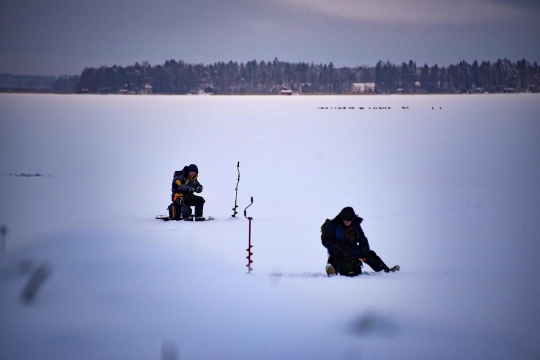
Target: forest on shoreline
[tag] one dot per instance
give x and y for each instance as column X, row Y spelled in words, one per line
column 279, row 77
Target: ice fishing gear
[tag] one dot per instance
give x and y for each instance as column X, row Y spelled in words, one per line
column 167, row 218
column 249, row 239
column 236, row 196
column 174, row 211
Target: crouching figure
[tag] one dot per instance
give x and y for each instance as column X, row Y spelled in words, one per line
column 348, row 247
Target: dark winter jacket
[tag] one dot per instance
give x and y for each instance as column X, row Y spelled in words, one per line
column 336, row 239
column 183, row 185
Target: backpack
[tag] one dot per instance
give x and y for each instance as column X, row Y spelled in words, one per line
column 174, row 211
column 184, row 171
column 323, row 227
column 174, row 208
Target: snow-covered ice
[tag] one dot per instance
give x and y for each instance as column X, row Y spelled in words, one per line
column 449, row 189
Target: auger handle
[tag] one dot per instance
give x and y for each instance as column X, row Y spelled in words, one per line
column 246, row 209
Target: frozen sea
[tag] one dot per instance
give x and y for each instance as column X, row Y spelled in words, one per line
column 448, row 186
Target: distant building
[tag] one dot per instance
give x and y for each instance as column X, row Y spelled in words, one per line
column 285, row 91
column 147, row 89
column 363, row 88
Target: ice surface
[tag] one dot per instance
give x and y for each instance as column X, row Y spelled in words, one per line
column 449, row 189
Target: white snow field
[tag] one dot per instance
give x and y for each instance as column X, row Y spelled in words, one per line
column 448, row 186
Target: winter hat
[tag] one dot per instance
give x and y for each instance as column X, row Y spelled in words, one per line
column 347, row 214
column 193, row 167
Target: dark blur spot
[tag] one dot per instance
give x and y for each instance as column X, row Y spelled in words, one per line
column 169, row 351
column 36, row 280
column 371, row 323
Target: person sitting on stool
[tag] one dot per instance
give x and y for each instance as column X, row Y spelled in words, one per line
column 185, row 184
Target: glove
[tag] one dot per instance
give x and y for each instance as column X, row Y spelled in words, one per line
column 394, row 269
column 198, row 189
column 190, row 190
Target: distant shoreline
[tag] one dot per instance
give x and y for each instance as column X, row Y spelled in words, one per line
column 36, row 92
column 286, row 78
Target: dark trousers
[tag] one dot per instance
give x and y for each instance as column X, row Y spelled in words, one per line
column 346, row 264
column 189, row 201
column 347, row 261
column 374, row 261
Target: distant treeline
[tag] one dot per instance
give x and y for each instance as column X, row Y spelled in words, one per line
column 35, row 83
column 279, row 77
column 178, row 77
column 501, row 76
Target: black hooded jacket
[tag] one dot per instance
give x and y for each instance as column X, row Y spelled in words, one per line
column 334, row 238
column 183, row 185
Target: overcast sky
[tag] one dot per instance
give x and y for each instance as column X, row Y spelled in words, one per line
column 55, row 37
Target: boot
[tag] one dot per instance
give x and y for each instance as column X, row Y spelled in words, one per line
column 330, row 271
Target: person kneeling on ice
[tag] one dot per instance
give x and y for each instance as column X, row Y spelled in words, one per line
column 348, row 247
column 185, row 184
